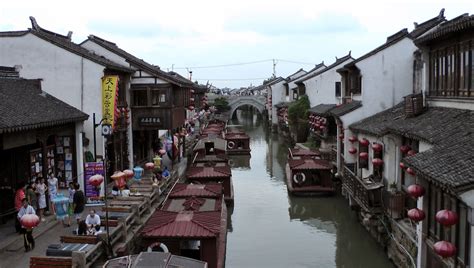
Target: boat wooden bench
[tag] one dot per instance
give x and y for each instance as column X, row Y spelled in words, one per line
column 82, row 239
column 54, row 262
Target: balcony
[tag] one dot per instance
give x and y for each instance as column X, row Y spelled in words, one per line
column 367, row 193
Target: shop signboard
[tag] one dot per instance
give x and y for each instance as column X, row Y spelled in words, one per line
column 109, row 99
column 94, row 195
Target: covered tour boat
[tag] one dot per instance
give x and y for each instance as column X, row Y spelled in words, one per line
column 307, row 174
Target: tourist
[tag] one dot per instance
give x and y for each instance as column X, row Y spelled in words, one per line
column 28, row 239
column 19, row 196
column 71, row 190
column 31, row 195
column 41, row 190
column 53, row 188
column 93, row 222
column 126, row 191
column 79, row 202
column 81, row 228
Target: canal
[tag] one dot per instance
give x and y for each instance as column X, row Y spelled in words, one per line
column 269, row 228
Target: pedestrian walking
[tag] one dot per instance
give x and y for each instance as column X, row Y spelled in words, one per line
column 41, row 189
column 52, row 189
column 71, row 190
column 79, row 202
column 19, row 196
column 31, row 195
column 28, row 239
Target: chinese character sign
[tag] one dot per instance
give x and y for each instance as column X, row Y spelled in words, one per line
column 109, row 98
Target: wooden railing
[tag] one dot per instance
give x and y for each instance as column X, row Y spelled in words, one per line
column 329, row 154
column 367, row 194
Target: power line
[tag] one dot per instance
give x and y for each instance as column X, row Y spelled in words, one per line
column 224, row 65
column 296, row 62
column 229, row 79
column 274, row 61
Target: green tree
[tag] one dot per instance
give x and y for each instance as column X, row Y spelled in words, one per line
column 221, row 104
column 298, row 110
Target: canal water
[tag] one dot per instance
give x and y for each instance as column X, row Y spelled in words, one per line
column 269, row 228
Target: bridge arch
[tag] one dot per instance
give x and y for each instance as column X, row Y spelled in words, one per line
column 255, row 101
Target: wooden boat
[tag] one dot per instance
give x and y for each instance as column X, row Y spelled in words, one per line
column 212, row 172
column 306, row 174
column 237, row 142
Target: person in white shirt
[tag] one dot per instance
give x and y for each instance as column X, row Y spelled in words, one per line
column 28, row 239
column 93, row 220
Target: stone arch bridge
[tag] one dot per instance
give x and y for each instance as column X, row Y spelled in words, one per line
column 257, row 101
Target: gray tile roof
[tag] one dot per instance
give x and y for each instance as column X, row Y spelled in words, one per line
column 427, row 25
column 448, row 28
column 450, row 163
column 336, row 63
column 66, row 43
column 346, row 108
column 282, row 105
column 139, row 63
column 322, row 109
column 25, row 106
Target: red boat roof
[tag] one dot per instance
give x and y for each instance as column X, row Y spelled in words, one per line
column 309, row 163
column 208, row 172
column 304, row 152
column 199, row 190
column 193, row 203
column 186, row 224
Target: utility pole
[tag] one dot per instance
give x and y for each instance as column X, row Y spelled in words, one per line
column 274, row 67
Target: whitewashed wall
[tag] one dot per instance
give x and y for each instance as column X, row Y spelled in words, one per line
column 321, row 88
column 67, row 76
column 278, row 95
column 386, row 78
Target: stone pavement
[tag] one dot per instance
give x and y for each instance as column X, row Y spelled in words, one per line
column 12, row 254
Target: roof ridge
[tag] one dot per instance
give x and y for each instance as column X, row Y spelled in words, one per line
column 329, row 67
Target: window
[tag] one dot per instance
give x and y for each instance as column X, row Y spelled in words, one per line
column 140, row 97
column 337, row 87
column 451, row 71
column 287, row 91
column 158, row 97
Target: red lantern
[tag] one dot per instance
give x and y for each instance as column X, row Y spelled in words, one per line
column 416, row 190
column 377, row 147
column 119, row 179
column 341, row 136
column 444, row 249
column 411, row 153
column 191, row 108
column 352, row 150
column 149, row 165
column 364, row 142
column 191, row 99
column 192, row 91
column 128, row 174
column 411, row 171
column 322, row 127
column 377, row 162
column 96, row 180
column 162, row 151
column 416, row 214
column 404, row 148
column 29, row 221
column 447, row 217
column 402, row 165
column 364, row 155
column 353, row 139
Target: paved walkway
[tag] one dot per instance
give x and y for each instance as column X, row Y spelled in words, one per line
column 12, row 254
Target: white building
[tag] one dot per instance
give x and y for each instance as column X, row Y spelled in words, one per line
column 71, row 74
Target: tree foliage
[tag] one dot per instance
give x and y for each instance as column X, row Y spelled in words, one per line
column 298, row 110
column 221, row 104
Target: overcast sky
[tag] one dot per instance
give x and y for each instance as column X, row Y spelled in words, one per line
column 186, row 35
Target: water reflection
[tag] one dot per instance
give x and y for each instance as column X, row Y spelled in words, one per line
column 239, row 162
column 272, row 229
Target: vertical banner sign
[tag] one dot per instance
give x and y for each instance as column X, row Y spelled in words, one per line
column 93, row 194
column 109, row 99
